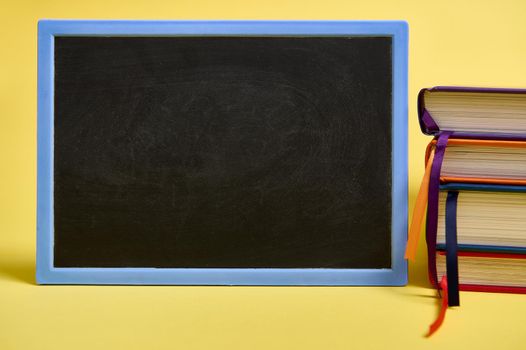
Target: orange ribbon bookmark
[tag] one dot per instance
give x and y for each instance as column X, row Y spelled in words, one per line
column 419, row 212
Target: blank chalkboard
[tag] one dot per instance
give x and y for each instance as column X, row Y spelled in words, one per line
column 223, row 152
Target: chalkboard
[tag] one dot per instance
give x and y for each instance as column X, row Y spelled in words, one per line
column 222, row 152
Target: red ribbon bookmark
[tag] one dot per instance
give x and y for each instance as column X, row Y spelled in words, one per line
column 440, row 319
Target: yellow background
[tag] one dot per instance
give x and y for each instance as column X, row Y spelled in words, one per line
column 480, row 43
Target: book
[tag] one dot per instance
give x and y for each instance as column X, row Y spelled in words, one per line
column 488, row 272
column 474, row 191
column 490, row 234
column 483, row 161
column 488, row 218
column 473, row 112
column 483, row 150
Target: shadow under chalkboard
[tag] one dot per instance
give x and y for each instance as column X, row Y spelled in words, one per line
column 20, row 268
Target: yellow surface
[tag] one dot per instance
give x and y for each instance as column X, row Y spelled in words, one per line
column 480, row 43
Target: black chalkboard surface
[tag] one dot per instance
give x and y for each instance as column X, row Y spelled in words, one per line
column 222, row 152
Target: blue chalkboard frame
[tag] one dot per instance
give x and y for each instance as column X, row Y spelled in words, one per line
column 46, row 273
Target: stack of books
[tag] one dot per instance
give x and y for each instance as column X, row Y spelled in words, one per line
column 474, row 189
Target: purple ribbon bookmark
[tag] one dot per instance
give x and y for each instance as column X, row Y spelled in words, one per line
column 432, row 205
column 429, row 123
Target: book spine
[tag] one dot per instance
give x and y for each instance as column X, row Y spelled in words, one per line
column 427, row 124
column 478, row 90
column 480, row 180
column 486, row 248
column 492, row 289
column 488, row 254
